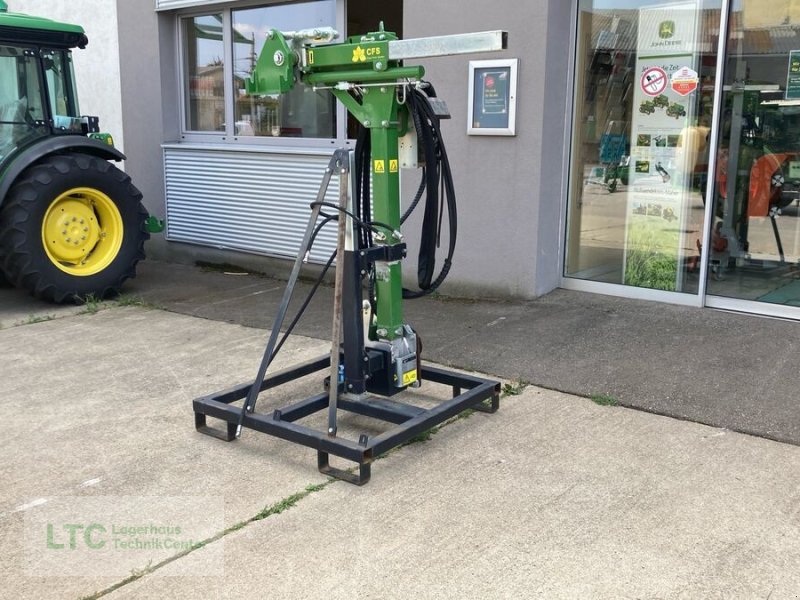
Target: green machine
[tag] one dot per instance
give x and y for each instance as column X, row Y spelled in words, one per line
column 72, row 225
column 375, row 354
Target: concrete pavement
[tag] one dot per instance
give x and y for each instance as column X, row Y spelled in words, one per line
column 551, row 497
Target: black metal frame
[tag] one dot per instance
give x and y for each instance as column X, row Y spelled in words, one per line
column 468, row 392
column 366, row 381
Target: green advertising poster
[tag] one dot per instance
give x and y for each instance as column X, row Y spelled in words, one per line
column 793, row 78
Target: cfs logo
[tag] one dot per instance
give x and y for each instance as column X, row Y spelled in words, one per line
column 361, row 54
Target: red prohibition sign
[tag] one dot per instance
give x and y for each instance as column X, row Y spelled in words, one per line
column 654, row 81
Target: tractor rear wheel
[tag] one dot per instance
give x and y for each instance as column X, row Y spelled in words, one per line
column 72, row 227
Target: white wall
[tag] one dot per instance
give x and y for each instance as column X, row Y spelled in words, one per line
column 97, row 67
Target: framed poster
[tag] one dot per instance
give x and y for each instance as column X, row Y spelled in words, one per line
column 492, row 97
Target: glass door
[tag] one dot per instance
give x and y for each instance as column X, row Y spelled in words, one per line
column 754, row 242
column 645, row 79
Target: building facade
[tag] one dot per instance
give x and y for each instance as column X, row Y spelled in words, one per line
column 656, row 152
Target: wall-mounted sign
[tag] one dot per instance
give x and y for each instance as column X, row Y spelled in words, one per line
column 492, row 97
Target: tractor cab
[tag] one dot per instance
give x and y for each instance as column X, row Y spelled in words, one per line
column 37, row 85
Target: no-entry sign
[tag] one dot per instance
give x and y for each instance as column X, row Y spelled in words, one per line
column 654, row 81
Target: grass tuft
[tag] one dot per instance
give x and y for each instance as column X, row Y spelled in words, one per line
column 604, row 400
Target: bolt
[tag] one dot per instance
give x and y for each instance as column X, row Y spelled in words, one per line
column 86, row 229
column 366, row 123
column 363, row 272
column 83, row 237
column 64, row 232
column 74, row 219
column 68, row 240
column 331, row 430
column 384, row 123
column 349, row 386
column 382, row 332
column 383, row 90
column 398, row 331
column 82, row 221
column 379, row 67
column 366, row 359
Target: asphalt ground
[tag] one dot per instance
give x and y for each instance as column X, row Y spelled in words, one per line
column 728, row 370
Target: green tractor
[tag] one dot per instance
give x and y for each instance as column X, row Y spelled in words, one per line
column 72, row 225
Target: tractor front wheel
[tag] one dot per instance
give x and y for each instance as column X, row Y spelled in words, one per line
column 72, row 227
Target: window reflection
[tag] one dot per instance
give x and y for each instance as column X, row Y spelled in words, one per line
column 755, row 243
column 644, row 95
column 302, row 112
column 204, row 63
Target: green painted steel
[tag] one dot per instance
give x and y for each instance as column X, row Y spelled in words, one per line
column 274, row 71
column 20, row 21
column 379, row 112
column 364, row 76
column 367, row 54
column 362, row 61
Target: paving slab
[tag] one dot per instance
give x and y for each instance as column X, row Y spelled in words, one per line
column 551, row 497
column 723, row 369
column 99, row 406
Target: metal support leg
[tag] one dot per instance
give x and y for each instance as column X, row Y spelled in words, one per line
column 336, row 335
column 340, row 157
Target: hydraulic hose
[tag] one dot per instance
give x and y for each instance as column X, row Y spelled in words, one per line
column 436, row 183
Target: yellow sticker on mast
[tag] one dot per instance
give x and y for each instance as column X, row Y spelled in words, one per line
column 393, row 166
column 379, row 166
column 409, row 377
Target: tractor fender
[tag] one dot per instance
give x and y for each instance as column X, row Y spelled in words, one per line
column 54, row 145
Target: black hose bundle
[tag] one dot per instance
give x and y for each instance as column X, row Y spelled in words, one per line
column 437, row 181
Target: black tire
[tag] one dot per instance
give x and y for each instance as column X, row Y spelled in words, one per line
column 26, row 262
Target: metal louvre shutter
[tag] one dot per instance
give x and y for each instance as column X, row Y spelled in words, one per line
column 175, row 4
column 251, row 201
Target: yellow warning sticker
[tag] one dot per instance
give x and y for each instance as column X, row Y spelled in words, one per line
column 409, row 377
column 380, row 166
column 310, row 57
column 392, row 166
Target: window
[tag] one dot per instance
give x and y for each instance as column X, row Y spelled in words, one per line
column 62, row 95
column 302, row 112
column 219, row 52
column 204, row 73
column 644, row 93
column 21, row 108
column 219, row 49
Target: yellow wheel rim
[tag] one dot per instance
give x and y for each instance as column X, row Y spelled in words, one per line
column 82, row 231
